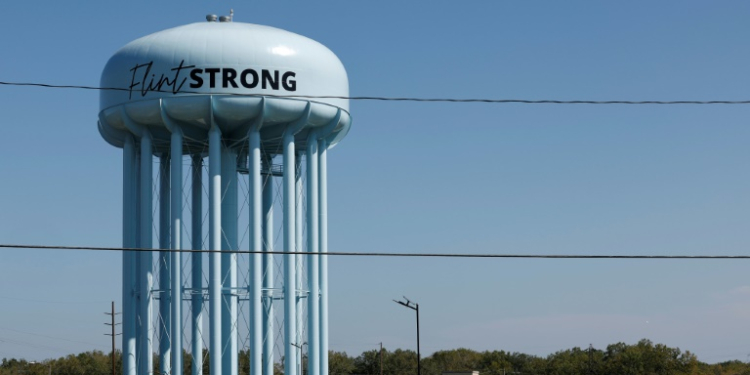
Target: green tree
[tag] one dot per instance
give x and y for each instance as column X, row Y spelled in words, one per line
column 339, row 363
column 456, row 360
column 368, row 363
column 495, row 363
column 400, row 362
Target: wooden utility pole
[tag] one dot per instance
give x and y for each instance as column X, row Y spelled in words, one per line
column 113, row 334
column 381, row 358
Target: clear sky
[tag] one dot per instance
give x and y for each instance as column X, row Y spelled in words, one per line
column 420, row 177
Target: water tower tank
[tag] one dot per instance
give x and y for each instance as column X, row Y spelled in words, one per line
column 222, row 102
column 189, row 72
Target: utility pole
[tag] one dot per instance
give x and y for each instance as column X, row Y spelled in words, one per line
column 113, row 334
column 591, row 359
column 419, row 356
column 381, row 358
column 414, row 306
column 301, row 368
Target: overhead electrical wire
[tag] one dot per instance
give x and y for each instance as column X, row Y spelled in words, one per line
column 404, row 99
column 383, row 254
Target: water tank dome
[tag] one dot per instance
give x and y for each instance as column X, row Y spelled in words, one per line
column 232, row 71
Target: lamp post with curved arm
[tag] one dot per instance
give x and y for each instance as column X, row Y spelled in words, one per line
column 414, row 306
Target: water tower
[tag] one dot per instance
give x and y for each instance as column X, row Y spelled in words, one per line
column 222, row 125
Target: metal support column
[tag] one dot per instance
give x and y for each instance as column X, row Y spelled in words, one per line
column 146, row 224
column 323, row 208
column 165, row 360
column 137, row 277
column 214, row 241
column 176, row 239
column 298, row 339
column 313, row 298
column 290, row 314
column 128, row 241
column 256, row 260
column 268, row 270
column 229, row 244
column 196, row 229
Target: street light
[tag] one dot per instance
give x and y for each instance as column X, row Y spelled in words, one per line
column 299, row 363
column 414, row 306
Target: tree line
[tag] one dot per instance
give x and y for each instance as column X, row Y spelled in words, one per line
column 642, row 358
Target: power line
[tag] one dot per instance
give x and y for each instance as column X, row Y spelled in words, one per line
column 403, row 99
column 384, row 254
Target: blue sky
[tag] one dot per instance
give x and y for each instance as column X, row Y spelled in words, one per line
column 428, row 177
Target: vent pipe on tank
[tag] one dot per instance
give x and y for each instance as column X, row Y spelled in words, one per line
column 228, row 18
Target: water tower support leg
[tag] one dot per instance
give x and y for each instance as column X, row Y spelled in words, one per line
column 323, row 202
column 298, row 257
column 313, row 302
column 256, row 260
column 196, row 228
column 137, row 278
column 176, row 279
column 128, row 241
column 137, row 331
column 268, row 271
column 146, row 224
column 229, row 228
column 165, row 360
column 214, row 240
column 290, row 315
